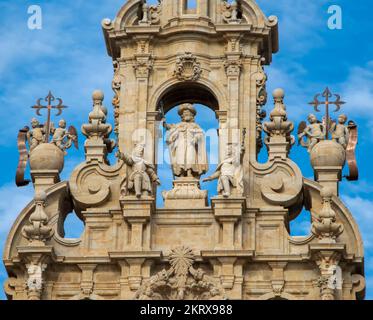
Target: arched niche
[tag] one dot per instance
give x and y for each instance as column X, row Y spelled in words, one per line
column 206, row 119
column 187, row 92
column 172, row 93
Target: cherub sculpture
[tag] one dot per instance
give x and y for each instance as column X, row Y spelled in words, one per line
column 314, row 132
column 143, row 173
column 229, row 172
column 340, row 131
column 36, row 135
column 64, row 138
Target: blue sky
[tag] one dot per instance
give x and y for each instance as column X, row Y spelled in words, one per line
column 68, row 55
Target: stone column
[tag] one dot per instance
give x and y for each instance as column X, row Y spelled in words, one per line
column 233, row 66
column 222, row 132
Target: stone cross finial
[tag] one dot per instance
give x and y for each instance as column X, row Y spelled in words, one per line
column 59, row 107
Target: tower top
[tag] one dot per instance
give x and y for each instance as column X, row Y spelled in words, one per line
column 209, row 17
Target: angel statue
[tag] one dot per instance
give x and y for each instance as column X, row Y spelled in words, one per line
column 36, row 135
column 229, row 172
column 63, row 138
column 143, row 173
column 340, row 131
column 314, row 132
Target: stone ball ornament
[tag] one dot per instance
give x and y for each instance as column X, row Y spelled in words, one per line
column 98, row 95
column 328, row 153
column 47, row 156
column 278, row 93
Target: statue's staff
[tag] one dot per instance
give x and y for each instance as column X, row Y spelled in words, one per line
column 163, row 120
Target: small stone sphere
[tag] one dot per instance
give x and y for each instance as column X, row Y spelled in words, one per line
column 47, row 156
column 98, row 95
column 278, row 93
column 328, row 153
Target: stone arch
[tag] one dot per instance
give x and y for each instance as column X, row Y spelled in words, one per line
column 252, row 14
column 127, row 15
column 215, row 99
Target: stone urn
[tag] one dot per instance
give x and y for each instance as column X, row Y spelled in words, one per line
column 328, row 153
column 47, row 156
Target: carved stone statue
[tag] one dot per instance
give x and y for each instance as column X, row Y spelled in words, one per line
column 314, row 132
column 143, row 173
column 36, row 135
column 186, row 142
column 229, row 172
column 64, row 138
column 340, row 132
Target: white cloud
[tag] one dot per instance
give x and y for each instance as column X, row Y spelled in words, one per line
column 358, row 90
column 362, row 210
column 12, row 201
column 299, row 21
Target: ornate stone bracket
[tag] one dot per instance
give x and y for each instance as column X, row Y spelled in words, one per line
column 280, row 182
column 233, row 67
column 143, row 67
column 91, row 184
column 327, row 258
column 36, row 260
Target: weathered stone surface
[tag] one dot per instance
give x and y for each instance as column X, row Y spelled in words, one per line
column 240, row 247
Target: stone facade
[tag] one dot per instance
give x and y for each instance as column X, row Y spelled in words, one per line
column 237, row 248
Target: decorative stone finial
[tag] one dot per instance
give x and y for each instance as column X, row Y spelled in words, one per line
column 97, row 130
column 98, row 96
column 325, row 226
column 279, row 140
column 38, row 232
